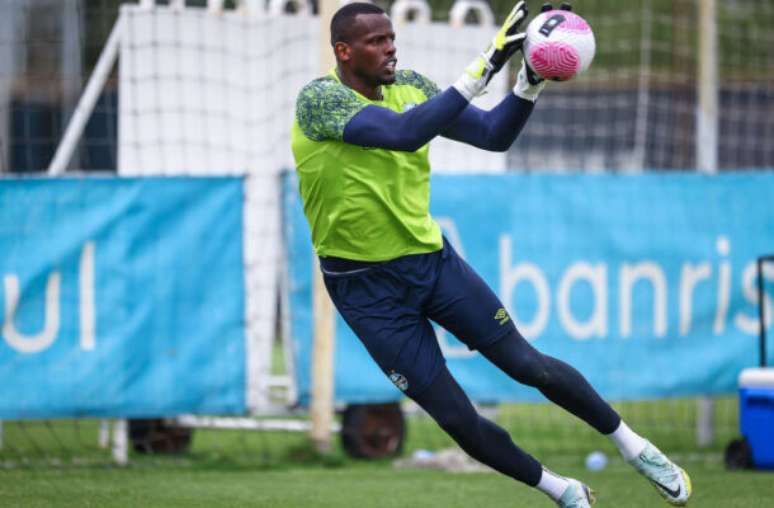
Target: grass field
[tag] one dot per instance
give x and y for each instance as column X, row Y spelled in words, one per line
column 543, row 429
column 353, row 485
column 58, row 464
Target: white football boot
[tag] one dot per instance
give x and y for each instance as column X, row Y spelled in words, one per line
column 670, row 480
column 577, row 495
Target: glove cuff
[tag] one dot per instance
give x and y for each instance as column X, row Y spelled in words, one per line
column 524, row 88
column 468, row 87
column 473, row 81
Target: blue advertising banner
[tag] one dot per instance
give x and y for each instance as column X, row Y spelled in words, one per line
column 122, row 297
column 645, row 283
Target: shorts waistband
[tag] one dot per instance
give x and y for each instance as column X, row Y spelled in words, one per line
column 334, row 264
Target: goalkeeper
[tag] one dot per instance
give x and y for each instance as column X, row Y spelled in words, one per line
column 360, row 141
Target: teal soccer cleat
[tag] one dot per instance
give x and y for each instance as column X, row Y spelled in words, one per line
column 670, row 480
column 577, row 495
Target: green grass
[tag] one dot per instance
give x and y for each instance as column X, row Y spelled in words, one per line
column 546, row 430
column 58, row 464
column 357, row 485
column 542, row 429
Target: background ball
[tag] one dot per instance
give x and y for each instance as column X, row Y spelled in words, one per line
column 559, row 45
column 596, row 461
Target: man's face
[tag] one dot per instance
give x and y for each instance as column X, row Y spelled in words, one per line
column 371, row 54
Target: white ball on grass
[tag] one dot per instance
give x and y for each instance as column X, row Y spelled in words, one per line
column 596, row 461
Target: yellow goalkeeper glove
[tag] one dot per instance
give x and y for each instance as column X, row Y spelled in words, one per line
column 504, row 44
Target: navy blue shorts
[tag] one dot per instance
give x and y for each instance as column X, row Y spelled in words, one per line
column 389, row 306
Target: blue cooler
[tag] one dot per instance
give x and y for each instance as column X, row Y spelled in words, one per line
column 756, row 414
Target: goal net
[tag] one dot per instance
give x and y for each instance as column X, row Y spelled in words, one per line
column 638, row 107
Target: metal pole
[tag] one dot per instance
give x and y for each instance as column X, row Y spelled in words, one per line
column 71, row 19
column 321, row 407
column 10, row 18
column 322, row 366
column 103, row 437
column 643, row 90
column 707, row 153
column 707, row 108
column 705, row 421
column 761, row 312
column 327, row 9
column 121, row 442
column 64, row 151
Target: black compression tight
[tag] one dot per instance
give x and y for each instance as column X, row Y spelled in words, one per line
column 558, row 381
column 445, row 401
column 483, row 440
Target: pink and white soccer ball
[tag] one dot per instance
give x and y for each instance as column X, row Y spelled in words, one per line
column 559, row 45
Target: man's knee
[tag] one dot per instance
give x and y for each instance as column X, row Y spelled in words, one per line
column 537, row 371
column 520, row 360
column 458, row 421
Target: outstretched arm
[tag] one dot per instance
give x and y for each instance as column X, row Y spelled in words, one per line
column 498, row 128
column 378, row 127
column 494, row 130
column 450, row 114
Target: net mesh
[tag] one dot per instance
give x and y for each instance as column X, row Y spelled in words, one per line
column 636, row 107
column 206, row 94
column 545, row 430
column 746, row 77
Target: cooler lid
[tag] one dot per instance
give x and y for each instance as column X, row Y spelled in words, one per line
column 757, row 378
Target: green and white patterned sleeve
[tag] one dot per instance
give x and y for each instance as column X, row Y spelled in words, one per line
column 418, row 81
column 324, row 107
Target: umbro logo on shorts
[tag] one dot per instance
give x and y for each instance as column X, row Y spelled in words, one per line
column 502, row 316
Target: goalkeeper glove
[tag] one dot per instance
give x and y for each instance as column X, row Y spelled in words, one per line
column 528, row 83
column 505, row 43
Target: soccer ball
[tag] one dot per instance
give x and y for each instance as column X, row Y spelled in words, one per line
column 596, row 461
column 559, row 45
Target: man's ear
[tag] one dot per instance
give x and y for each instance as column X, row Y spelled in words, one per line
column 343, row 51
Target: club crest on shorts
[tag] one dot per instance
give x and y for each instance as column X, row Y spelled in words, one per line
column 502, row 316
column 399, row 380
